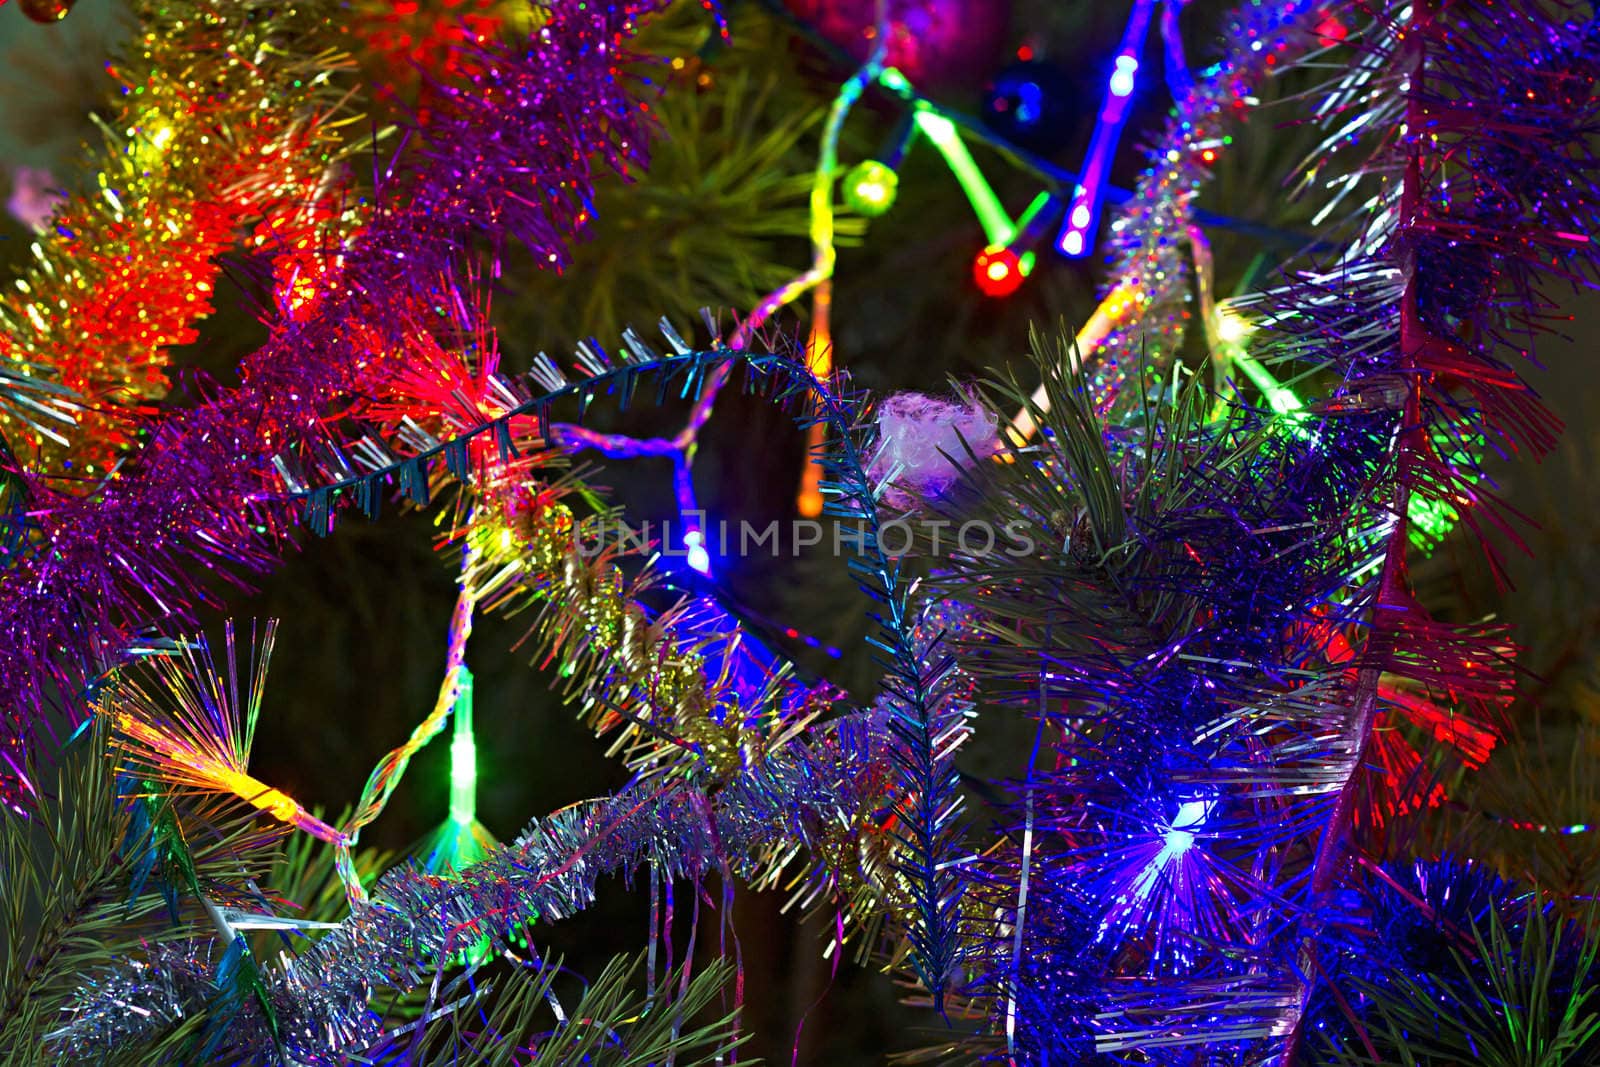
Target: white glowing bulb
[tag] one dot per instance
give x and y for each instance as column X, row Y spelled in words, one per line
column 1191, row 816
column 1072, row 243
column 1178, row 841
column 1122, row 80
column 697, row 556
column 1080, row 216
column 1232, row 327
column 1282, row 401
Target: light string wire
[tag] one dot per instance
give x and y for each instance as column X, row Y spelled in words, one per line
column 1083, row 209
column 1197, row 121
column 945, row 129
column 681, row 448
column 385, row 777
column 222, row 768
column 1057, row 180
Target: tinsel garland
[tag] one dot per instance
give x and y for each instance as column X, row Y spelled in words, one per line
column 416, row 923
column 648, row 673
column 1437, row 947
column 229, row 119
column 1451, row 281
column 510, row 155
column 1212, row 648
column 687, row 688
column 760, row 794
column 639, row 676
column 1203, row 637
column 1146, row 295
column 926, row 709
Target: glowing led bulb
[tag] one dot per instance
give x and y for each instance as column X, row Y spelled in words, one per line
column 463, row 776
column 463, row 757
column 697, row 555
column 1191, row 816
column 1122, row 78
column 997, row 271
column 1232, row 327
column 870, row 187
column 1074, row 235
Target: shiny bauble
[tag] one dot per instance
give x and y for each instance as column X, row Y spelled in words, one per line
column 1032, row 104
column 46, row 11
column 936, row 43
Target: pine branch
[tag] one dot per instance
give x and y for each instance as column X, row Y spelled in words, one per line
column 74, row 878
column 711, row 222
column 59, row 871
column 611, row 1025
column 1519, row 993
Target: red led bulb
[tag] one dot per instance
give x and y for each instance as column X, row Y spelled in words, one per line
column 997, row 271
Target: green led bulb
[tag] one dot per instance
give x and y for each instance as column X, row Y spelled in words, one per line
column 870, row 187
column 464, row 758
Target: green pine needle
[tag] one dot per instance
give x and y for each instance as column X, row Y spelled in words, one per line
column 613, row 1024
column 1514, row 1000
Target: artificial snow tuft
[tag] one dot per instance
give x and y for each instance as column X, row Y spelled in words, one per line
column 925, row 442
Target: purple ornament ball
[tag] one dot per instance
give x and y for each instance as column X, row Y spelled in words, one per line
column 936, row 43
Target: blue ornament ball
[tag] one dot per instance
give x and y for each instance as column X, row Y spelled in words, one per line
column 1030, row 103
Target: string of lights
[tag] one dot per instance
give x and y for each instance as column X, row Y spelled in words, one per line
column 999, row 268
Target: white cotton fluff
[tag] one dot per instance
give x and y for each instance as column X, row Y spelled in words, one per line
column 914, row 429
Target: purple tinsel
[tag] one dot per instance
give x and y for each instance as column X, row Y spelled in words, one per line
column 514, row 155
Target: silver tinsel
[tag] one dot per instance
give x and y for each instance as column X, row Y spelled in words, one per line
column 1151, row 234
column 417, row 924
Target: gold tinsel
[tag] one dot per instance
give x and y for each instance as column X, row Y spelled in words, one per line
column 229, row 119
column 635, row 676
column 645, row 680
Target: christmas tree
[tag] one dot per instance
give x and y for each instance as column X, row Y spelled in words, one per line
column 1019, row 506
